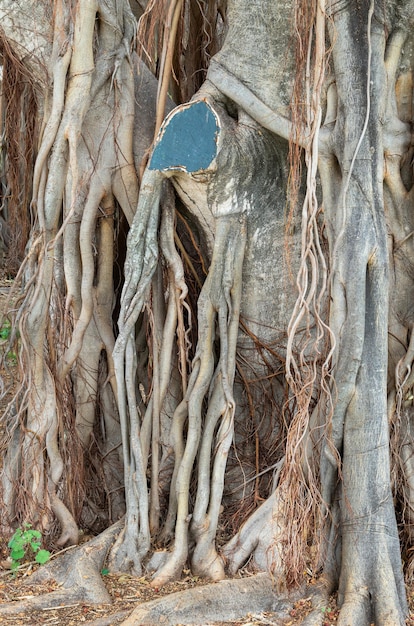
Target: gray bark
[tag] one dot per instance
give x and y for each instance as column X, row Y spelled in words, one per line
column 238, row 203
column 28, row 27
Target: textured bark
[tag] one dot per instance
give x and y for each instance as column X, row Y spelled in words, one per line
column 359, row 318
column 211, row 326
column 32, row 46
column 70, row 571
column 227, row 600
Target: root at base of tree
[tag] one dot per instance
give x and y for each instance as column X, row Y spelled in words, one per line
column 79, row 574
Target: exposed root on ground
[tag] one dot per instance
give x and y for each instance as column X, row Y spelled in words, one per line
column 78, row 572
column 223, row 601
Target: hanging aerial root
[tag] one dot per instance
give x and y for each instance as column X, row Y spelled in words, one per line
column 167, row 329
column 205, row 560
column 180, row 291
column 73, row 180
column 219, row 301
column 140, row 265
column 61, row 56
column 308, row 356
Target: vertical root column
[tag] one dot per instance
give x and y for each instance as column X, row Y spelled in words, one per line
column 205, row 560
column 219, row 301
column 140, row 265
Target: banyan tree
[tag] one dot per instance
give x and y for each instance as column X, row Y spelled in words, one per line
column 213, row 312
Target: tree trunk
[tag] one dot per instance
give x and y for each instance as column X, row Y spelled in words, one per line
column 263, row 348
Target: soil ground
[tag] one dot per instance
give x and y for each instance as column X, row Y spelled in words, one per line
column 126, row 592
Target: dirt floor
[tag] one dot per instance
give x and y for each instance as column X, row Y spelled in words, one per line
column 126, row 592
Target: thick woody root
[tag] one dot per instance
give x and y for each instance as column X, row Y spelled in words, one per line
column 258, row 540
column 223, row 601
column 79, row 574
column 371, row 586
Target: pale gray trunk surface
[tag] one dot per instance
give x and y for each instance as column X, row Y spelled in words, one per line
column 205, row 428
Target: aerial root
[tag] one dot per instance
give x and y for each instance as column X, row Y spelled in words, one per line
column 140, row 265
column 218, row 306
column 69, row 529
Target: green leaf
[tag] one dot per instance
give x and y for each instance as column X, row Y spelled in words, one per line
column 42, row 556
column 18, row 544
column 17, row 554
column 5, row 330
column 14, row 541
column 11, row 356
column 16, row 538
column 105, row 571
column 22, row 540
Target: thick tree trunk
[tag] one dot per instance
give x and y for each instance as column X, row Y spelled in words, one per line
column 370, row 581
column 203, row 425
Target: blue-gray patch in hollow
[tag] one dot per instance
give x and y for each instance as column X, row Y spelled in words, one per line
column 187, row 140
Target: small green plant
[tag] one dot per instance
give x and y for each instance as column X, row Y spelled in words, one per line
column 25, row 542
column 12, row 357
column 5, row 330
